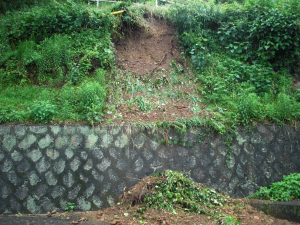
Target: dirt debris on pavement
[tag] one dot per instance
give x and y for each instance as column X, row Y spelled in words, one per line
column 128, row 213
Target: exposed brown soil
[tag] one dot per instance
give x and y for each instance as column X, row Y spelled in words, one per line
column 146, row 49
column 169, row 112
column 249, row 216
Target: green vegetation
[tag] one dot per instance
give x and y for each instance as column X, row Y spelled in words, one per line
column 70, row 207
column 244, row 55
column 54, row 61
column 173, row 190
column 57, row 62
column 285, row 190
column 179, row 189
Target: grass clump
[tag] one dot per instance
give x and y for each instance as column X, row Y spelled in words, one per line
column 285, row 190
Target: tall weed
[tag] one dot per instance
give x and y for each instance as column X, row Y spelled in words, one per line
column 54, row 59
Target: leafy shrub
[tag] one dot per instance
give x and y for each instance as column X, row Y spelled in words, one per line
column 39, row 23
column 54, row 43
column 92, row 48
column 6, row 5
column 54, row 57
column 89, row 93
column 250, row 108
column 287, row 108
column 9, row 115
column 70, row 206
column 75, row 75
column 196, row 15
column 91, row 96
column 231, row 220
column 285, row 190
column 268, row 34
column 18, row 63
column 43, row 111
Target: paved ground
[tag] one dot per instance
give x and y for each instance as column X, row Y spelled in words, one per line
column 42, row 220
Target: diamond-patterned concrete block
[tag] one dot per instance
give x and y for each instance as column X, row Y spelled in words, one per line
column 75, row 163
column 33, row 178
column 34, row 155
column 88, row 165
column 32, row 206
column 104, row 164
column 38, row 129
column 52, row 153
column 44, row 167
column 59, row 166
column 91, row 141
column 61, row 142
column 27, row 142
column 16, row 156
column 7, row 165
column 106, row 140
column 2, row 155
column 83, row 204
column 121, row 141
column 9, row 142
column 58, row 191
column 74, row 192
column 45, row 142
column 50, row 178
column 68, row 179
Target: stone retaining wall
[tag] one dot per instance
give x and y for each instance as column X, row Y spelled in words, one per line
column 44, row 167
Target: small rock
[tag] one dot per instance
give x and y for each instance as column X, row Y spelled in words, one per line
column 83, row 218
column 241, row 217
column 68, row 218
column 116, row 222
column 256, row 217
column 74, row 222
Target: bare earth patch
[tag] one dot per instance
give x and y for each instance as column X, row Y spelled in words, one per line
column 147, row 78
column 145, row 49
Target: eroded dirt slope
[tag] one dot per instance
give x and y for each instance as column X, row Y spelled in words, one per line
column 145, row 49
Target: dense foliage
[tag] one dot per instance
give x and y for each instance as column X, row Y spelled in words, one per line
column 285, row 190
column 244, row 55
column 57, row 45
column 55, row 55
